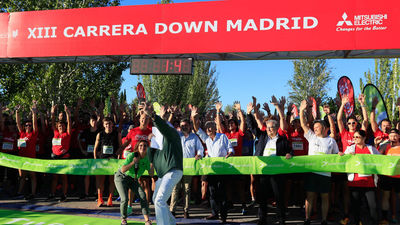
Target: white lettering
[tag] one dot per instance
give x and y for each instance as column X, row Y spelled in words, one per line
column 237, row 25
column 213, row 27
column 66, row 30
column 282, row 22
column 116, row 30
column 80, row 32
column 31, row 33
column 296, row 23
column 306, row 22
column 262, row 24
column 53, row 29
column 127, row 28
column 250, row 25
column 163, row 26
column 46, row 29
column 192, row 26
column 104, row 30
column 141, row 29
column 91, row 30
column 40, row 32
column 178, row 25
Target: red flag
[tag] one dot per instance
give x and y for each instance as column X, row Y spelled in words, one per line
column 345, row 87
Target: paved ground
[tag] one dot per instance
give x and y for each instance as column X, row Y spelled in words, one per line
column 89, row 208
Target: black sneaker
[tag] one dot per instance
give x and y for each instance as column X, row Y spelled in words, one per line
column 83, row 197
column 29, row 197
column 307, row 222
column 63, row 198
column 51, row 197
column 252, row 204
column 323, row 222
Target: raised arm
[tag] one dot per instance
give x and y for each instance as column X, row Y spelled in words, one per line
column 238, row 108
column 251, row 123
column 69, row 124
column 34, row 116
column 374, row 125
column 345, row 99
column 194, row 116
column 18, row 118
column 53, row 117
column 218, row 107
column 280, row 107
column 331, row 121
column 364, row 123
column 303, row 122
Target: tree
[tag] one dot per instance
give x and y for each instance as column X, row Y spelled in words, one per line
column 200, row 89
column 58, row 83
column 386, row 78
column 310, row 78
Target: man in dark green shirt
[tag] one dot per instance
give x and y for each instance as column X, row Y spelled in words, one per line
column 168, row 162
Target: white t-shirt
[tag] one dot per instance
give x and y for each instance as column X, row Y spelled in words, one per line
column 270, row 147
column 321, row 146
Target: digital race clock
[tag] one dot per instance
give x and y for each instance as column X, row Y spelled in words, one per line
column 162, row 66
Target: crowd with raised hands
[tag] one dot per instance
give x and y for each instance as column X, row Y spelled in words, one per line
column 135, row 134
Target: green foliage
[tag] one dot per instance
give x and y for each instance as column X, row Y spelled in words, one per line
column 386, row 78
column 310, row 78
column 200, row 89
column 58, row 83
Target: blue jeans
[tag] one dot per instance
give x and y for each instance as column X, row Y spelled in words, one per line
column 164, row 187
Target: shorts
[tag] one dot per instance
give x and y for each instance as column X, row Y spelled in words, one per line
column 317, row 183
column 387, row 183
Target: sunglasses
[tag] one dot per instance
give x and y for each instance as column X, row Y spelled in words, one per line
column 351, row 123
column 357, row 137
column 28, row 125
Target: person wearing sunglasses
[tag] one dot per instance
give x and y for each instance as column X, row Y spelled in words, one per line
column 361, row 185
column 27, row 147
column 347, row 139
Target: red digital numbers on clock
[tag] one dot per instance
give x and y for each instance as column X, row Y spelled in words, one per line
column 162, row 66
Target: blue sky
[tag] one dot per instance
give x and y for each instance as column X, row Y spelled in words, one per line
column 239, row 80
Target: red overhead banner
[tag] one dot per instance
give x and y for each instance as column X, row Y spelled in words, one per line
column 229, row 26
column 3, row 34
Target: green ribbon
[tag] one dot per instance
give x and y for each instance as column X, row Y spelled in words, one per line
column 361, row 163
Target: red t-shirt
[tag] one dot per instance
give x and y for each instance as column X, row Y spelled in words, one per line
column 394, row 151
column 361, row 180
column 380, row 133
column 136, row 134
column 236, row 140
column 297, row 140
column 347, row 138
column 9, row 142
column 61, row 143
column 128, row 149
column 27, row 144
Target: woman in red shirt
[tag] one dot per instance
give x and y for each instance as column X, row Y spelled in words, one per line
column 60, row 149
column 362, row 184
column 27, row 147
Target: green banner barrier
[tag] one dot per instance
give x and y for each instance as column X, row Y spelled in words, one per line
column 26, row 217
column 365, row 164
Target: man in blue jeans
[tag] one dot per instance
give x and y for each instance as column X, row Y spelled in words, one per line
column 168, row 162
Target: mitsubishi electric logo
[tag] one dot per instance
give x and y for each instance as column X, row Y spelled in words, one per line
column 362, row 22
column 344, row 17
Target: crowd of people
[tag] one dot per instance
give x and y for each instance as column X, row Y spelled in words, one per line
column 148, row 142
